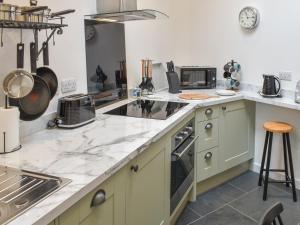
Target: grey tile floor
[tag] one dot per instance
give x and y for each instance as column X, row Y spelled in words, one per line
column 239, row 202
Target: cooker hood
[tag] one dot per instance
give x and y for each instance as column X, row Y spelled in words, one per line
column 122, row 11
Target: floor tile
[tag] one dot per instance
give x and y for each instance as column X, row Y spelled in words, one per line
column 215, row 198
column 253, row 205
column 225, row 216
column 187, row 217
column 247, row 181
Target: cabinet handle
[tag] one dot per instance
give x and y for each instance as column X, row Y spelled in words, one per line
column 209, row 112
column 208, row 156
column 135, row 168
column 209, row 126
column 224, row 108
column 98, row 199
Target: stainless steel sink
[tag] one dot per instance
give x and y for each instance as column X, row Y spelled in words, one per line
column 20, row 190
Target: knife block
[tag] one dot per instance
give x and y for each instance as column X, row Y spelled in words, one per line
column 174, row 83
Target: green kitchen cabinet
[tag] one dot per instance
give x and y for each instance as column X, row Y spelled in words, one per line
column 110, row 209
column 207, row 164
column 146, row 192
column 236, row 133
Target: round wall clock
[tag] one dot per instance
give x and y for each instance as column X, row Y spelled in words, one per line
column 249, row 18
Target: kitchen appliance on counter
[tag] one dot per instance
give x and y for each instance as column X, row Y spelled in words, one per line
column 182, row 163
column 271, row 87
column 148, row 109
column 196, row 77
column 21, row 190
column 173, row 79
column 297, row 93
column 75, row 111
column 147, row 86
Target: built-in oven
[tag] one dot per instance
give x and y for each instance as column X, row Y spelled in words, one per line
column 182, row 163
column 195, row 77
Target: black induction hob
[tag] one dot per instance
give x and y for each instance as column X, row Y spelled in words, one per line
column 148, row 109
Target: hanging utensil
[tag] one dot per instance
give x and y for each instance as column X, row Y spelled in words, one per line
column 37, row 101
column 47, row 73
column 61, row 13
column 18, row 83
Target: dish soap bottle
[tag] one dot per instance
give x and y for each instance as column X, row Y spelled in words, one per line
column 297, row 94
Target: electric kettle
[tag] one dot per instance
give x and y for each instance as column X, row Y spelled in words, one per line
column 271, row 86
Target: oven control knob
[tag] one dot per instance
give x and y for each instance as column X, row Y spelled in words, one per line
column 178, row 138
column 189, row 129
column 184, row 133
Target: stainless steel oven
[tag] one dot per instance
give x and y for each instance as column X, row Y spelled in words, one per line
column 194, row 77
column 182, row 163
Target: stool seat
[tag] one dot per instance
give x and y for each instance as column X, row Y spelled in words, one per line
column 278, row 127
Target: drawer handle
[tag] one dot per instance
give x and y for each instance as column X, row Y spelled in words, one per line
column 135, row 168
column 209, row 112
column 224, row 108
column 98, row 199
column 208, row 156
column 209, row 126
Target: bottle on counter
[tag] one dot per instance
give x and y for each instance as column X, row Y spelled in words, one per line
column 297, row 93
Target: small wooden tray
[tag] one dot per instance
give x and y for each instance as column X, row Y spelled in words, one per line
column 196, row 96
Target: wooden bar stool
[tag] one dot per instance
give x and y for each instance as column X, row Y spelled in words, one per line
column 284, row 129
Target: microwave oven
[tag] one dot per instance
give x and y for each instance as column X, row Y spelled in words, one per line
column 196, row 77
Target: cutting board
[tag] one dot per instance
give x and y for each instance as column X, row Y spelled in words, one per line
column 196, row 96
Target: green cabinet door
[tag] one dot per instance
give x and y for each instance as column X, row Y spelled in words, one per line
column 70, row 217
column 101, row 215
column 145, row 199
column 236, row 134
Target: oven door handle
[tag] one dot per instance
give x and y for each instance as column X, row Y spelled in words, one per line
column 187, row 148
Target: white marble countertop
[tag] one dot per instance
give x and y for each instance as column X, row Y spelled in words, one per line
column 91, row 154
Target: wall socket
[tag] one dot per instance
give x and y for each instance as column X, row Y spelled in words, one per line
column 285, row 75
column 68, row 85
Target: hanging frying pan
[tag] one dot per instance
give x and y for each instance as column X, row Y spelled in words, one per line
column 46, row 73
column 37, row 101
column 18, row 83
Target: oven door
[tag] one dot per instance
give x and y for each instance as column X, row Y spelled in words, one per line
column 182, row 170
column 195, row 78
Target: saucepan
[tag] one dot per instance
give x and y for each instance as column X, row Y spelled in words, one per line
column 18, row 83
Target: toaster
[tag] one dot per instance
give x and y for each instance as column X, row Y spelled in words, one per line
column 75, row 111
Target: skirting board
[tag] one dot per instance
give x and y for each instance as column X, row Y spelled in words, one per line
column 255, row 167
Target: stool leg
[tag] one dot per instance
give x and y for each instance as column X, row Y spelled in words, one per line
column 291, row 167
column 268, row 167
column 285, row 159
column 280, row 220
column 262, row 166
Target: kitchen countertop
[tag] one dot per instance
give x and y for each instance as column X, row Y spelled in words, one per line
column 91, row 154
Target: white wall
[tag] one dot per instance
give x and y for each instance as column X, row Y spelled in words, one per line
column 159, row 40
column 273, row 47
column 67, row 57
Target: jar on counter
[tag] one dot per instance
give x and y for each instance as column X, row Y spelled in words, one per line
column 7, row 11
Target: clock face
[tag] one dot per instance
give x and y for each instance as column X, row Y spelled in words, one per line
column 249, row 18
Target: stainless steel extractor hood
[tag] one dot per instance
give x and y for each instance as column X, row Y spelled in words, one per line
column 122, row 11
